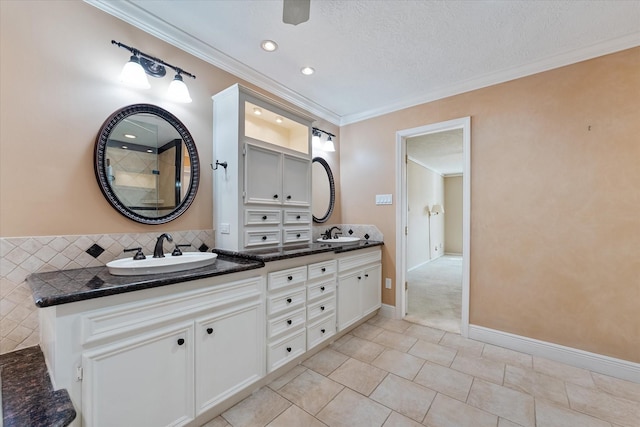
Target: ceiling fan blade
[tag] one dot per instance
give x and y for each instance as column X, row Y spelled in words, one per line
column 295, row 12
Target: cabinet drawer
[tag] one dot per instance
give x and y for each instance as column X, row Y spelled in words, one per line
column 296, row 217
column 320, row 290
column 287, row 323
column 356, row 261
column 287, row 301
column 283, row 278
column 285, row 350
column 262, row 237
column 320, row 331
column 321, row 308
column 293, row 235
column 262, row 217
column 322, row 269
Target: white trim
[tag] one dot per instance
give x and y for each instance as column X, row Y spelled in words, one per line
column 463, row 123
column 387, row 310
column 606, row 365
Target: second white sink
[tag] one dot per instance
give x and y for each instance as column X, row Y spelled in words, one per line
column 168, row 264
column 340, row 239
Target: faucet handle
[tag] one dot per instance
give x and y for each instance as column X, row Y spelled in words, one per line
column 138, row 255
column 177, row 251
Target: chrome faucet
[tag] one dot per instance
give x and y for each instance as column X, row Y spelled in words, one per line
column 327, row 234
column 158, row 252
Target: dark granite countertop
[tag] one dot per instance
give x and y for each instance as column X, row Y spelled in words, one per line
column 28, row 398
column 65, row 286
column 287, row 252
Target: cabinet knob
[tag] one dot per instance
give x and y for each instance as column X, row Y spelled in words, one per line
column 323, row 330
column 366, row 275
column 264, row 237
column 288, row 321
column 289, row 197
column 323, row 269
column 289, row 277
column 298, row 217
column 209, row 331
column 298, row 235
column 275, row 196
column 288, row 349
column 321, row 288
column 264, row 217
column 322, row 308
column 359, row 277
column 288, row 300
column 180, row 341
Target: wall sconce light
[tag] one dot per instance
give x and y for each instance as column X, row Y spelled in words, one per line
column 437, row 209
column 141, row 64
column 316, row 140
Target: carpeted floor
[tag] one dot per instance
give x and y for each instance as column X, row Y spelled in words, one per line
column 435, row 294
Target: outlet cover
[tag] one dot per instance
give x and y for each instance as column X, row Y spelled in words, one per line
column 387, row 283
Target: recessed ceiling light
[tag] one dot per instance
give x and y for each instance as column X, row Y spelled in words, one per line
column 128, row 135
column 269, row 45
column 278, row 119
column 149, row 151
column 307, row 71
column 124, row 147
column 257, row 111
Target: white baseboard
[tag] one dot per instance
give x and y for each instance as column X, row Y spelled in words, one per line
column 606, row 365
column 388, row 311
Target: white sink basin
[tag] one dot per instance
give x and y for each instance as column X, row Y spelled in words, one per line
column 340, row 239
column 168, row 264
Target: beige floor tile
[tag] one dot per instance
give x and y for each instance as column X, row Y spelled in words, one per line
column 366, row 331
column 549, row 414
column 604, row 406
column 394, row 325
column 325, row 361
column 448, row 412
column 507, row 356
column 217, row 422
column 259, row 409
column 279, row 382
column 563, row 371
column 310, row 391
column 502, row 401
column 358, row 376
column 340, row 341
column 433, row 352
column 398, row 420
column 425, row 333
column 479, row 367
column 445, row 380
column 351, row 409
column 295, row 417
column 403, row 396
column 463, row 345
column 621, row 388
column 395, row 340
column 503, row 422
column 536, row 384
column 361, row 349
column 399, row 363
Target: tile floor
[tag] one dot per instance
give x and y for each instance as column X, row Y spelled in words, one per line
column 394, row 373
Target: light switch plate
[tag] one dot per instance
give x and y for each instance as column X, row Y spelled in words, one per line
column 384, row 199
column 225, row 228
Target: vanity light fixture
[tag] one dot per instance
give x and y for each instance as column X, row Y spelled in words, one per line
column 328, row 146
column 307, row 71
column 316, row 140
column 141, row 64
column 269, row 45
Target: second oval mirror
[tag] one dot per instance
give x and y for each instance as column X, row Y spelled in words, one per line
column 324, row 191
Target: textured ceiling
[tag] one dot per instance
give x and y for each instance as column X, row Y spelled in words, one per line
column 440, row 152
column 372, row 57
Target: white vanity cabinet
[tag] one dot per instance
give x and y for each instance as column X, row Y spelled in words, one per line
column 321, row 302
column 359, row 287
column 263, row 197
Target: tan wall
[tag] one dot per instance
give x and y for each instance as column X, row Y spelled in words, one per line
column 555, row 229
column 58, row 84
column 453, row 214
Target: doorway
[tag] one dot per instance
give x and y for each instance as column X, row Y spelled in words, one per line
column 425, row 162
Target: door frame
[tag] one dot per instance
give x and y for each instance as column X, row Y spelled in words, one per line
column 463, row 123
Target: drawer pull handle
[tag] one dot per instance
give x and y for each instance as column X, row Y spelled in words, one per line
column 298, row 217
column 288, row 349
column 323, row 269
column 289, row 277
column 275, row 196
column 321, row 288
column 209, row 331
column 323, row 330
column 288, row 321
column 264, row 237
column 288, row 300
column 180, row 341
column 264, row 217
column 322, row 308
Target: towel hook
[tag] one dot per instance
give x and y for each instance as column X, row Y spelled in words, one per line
column 223, row 164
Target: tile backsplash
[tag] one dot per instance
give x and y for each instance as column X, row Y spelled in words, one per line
column 21, row 256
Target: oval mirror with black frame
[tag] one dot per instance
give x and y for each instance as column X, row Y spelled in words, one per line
column 146, row 163
column 324, row 190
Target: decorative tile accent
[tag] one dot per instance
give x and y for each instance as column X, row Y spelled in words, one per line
column 366, row 232
column 21, row 256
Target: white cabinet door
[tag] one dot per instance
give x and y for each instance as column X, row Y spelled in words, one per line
column 143, row 381
column 263, row 176
column 371, row 289
column 229, row 353
column 296, row 181
column 349, row 299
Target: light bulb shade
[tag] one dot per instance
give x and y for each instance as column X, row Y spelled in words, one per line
column 178, row 91
column 328, row 146
column 315, row 140
column 133, row 74
column 437, row 209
